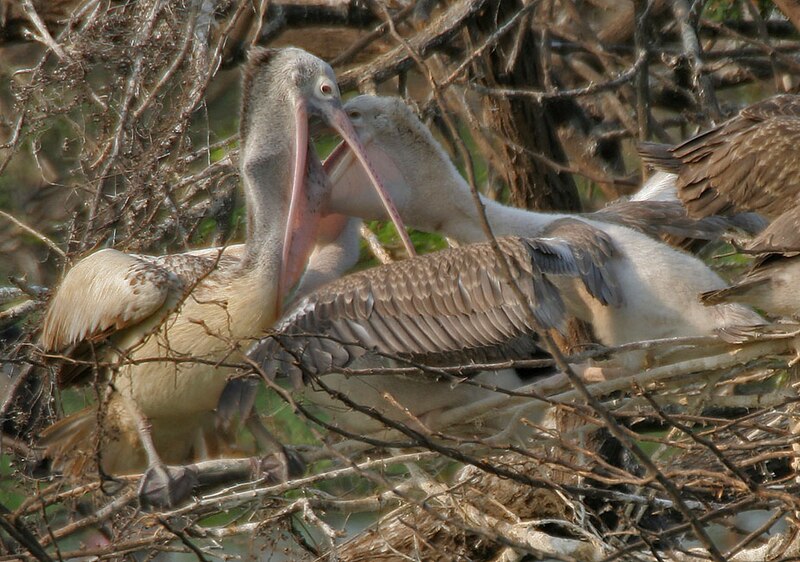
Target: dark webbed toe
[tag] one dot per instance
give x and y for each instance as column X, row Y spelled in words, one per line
column 166, row 486
column 282, row 465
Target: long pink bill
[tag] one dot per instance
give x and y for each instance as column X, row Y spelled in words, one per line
column 351, row 182
column 336, row 156
column 340, row 122
column 304, row 213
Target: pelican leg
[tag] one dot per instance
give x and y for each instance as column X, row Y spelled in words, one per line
column 795, row 346
column 588, row 373
column 161, row 486
column 238, row 400
column 283, row 463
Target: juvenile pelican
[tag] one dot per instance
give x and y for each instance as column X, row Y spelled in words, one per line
column 172, row 320
column 458, row 304
column 658, row 285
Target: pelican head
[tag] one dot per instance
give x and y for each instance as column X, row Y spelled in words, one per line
column 282, row 90
column 414, row 167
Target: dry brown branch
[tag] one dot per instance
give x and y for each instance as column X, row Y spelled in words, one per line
column 117, row 129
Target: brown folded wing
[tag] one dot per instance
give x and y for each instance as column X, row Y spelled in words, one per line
column 748, row 163
column 457, row 303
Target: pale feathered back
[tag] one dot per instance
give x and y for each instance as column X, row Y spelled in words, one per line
column 108, row 290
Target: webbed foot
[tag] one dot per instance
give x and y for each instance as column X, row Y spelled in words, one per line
column 282, row 465
column 166, row 486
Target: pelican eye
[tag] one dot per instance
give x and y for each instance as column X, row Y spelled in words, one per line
column 326, row 88
column 354, row 114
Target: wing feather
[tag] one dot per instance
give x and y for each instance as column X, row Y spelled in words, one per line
column 455, row 304
column 656, row 218
column 108, row 290
column 747, row 163
column 781, row 236
column 583, row 251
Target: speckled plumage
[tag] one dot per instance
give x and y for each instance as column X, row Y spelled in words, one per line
column 746, row 163
column 455, row 302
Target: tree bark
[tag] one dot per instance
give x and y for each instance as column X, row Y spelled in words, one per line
column 524, row 125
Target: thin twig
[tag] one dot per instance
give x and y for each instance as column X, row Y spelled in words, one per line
column 35, row 233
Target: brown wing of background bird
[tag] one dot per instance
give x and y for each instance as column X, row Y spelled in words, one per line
column 748, row 163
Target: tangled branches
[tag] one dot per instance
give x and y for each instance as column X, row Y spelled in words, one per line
column 117, row 129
